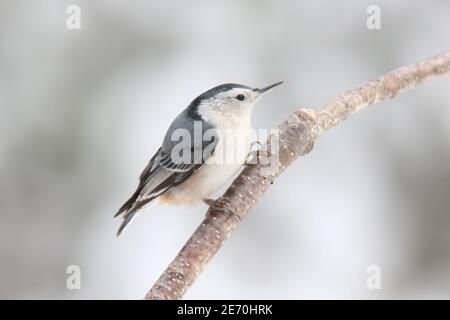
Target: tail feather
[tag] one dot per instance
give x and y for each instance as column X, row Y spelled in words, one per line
column 128, row 205
column 151, row 185
column 129, row 210
column 126, row 219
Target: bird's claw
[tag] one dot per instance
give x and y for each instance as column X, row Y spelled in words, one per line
column 223, row 205
column 209, row 202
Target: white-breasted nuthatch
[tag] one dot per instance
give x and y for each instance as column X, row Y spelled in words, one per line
column 187, row 171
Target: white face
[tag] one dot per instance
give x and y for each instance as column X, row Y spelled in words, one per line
column 238, row 98
column 230, row 108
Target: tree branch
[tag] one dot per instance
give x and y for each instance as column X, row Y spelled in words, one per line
column 296, row 136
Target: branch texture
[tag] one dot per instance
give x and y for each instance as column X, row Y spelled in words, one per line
column 296, row 136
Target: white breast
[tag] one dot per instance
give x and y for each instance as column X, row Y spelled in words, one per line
column 217, row 171
column 234, row 141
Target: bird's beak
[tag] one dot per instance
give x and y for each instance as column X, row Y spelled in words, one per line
column 265, row 89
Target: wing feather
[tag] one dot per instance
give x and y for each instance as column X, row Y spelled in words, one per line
column 160, row 175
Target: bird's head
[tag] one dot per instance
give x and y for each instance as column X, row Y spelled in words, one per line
column 228, row 101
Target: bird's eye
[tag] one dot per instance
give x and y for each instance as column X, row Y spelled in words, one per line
column 240, row 97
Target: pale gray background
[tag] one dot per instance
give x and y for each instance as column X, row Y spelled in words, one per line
column 83, row 111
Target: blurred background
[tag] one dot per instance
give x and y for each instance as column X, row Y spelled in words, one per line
column 82, row 111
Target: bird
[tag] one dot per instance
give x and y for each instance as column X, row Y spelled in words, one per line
column 205, row 145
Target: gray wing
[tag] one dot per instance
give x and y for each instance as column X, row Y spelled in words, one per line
column 174, row 162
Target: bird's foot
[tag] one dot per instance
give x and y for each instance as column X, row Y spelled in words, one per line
column 209, row 202
column 223, row 205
